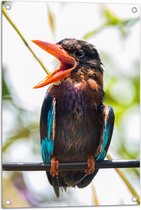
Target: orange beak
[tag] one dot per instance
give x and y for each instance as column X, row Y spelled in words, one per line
column 67, row 63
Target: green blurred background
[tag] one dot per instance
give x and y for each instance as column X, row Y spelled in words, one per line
column 114, row 30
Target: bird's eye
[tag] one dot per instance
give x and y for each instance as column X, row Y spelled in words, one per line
column 79, row 53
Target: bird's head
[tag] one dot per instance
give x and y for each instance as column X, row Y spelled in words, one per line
column 74, row 56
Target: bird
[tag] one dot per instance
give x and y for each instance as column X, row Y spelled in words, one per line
column 75, row 124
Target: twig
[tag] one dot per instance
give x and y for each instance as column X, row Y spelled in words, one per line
column 95, row 197
column 123, row 177
column 23, row 39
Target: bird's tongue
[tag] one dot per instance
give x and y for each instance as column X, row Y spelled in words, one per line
column 67, row 63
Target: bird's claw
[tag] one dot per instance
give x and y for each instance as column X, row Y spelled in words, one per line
column 54, row 167
column 91, row 165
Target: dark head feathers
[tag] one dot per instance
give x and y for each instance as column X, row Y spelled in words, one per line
column 82, row 51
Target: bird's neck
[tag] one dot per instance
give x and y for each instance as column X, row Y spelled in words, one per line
column 80, row 87
column 85, row 73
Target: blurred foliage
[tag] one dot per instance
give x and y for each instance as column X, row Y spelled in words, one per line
column 16, row 199
column 121, row 105
column 111, row 20
column 95, row 197
column 51, row 19
column 24, row 133
column 24, row 127
column 20, row 129
column 5, row 89
column 126, row 181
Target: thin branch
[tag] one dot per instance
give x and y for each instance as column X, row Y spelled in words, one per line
column 23, row 39
column 95, row 197
column 70, row 166
column 123, row 177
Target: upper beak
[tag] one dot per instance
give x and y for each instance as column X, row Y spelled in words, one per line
column 67, row 63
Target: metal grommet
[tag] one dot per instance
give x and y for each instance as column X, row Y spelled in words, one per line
column 134, row 9
column 134, row 199
column 8, row 6
column 8, row 202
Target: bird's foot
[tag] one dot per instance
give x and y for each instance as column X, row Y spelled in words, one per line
column 54, row 167
column 91, row 165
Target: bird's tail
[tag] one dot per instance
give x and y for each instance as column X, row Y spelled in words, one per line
column 54, row 181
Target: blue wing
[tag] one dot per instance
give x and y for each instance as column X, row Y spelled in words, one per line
column 105, row 140
column 47, row 128
column 47, row 133
column 107, row 132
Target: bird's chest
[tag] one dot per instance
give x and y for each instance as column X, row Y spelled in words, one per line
column 74, row 101
column 76, row 123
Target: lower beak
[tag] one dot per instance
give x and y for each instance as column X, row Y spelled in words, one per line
column 67, row 63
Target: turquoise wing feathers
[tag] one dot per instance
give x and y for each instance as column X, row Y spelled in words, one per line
column 48, row 131
column 108, row 124
column 107, row 132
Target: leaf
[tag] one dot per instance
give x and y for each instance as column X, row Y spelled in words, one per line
column 20, row 134
column 112, row 20
column 24, row 133
column 51, row 20
column 5, row 89
column 111, row 17
column 129, row 22
column 124, row 25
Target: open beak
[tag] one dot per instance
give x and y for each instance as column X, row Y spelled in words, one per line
column 67, row 63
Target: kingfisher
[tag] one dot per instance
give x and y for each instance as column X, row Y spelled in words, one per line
column 75, row 125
